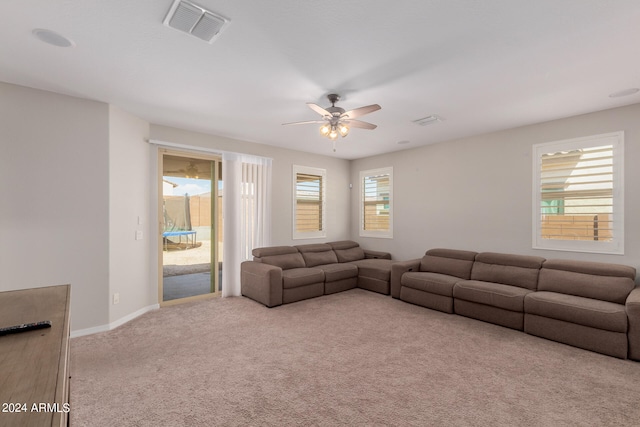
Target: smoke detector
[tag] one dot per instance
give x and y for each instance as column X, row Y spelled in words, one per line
column 195, row 20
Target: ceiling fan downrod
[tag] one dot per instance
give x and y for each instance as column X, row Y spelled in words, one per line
column 333, row 98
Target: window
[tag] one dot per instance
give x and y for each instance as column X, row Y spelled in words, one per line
column 309, row 204
column 578, row 195
column 376, row 200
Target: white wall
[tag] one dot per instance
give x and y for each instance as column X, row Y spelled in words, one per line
column 338, row 196
column 130, row 193
column 475, row 193
column 54, row 200
column 75, row 175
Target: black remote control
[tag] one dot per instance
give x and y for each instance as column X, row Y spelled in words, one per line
column 25, row 327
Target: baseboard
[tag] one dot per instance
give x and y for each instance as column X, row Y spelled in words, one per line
column 113, row 325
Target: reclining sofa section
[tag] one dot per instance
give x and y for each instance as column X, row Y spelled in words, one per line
column 497, row 288
column 429, row 282
column 284, row 274
column 582, row 304
column 590, row 305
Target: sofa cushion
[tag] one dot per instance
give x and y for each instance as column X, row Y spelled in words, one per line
column 347, row 250
column 434, row 283
column 589, row 267
column 507, row 269
column 273, row 250
column 317, row 254
column 285, row 257
column 374, row 268
column 340, row 271
column 606, row 282
column 491, row 294
column 285, row 262
column 296, row 277
column 448, row 261
column 368, row 253
column 583, row 311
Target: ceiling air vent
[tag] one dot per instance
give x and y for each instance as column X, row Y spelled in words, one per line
column 192, row 19
column 429, row 120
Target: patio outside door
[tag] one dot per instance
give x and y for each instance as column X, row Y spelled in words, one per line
column 190, row 226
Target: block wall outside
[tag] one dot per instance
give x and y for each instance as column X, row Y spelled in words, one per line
column 576, row 227
column 200, row 208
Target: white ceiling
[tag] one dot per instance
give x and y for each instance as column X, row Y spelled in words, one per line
column 481, row 65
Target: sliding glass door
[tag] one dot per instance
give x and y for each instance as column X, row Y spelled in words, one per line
column 190, row 226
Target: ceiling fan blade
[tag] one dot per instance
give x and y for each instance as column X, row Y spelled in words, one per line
column 318, row 109
column 360, row 124
column 305, row 122
column 357, row 112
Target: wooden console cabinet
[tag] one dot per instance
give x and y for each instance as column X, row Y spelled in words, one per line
column 34, row 365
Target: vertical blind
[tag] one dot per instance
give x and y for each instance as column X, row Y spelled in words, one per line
column 247, row 213
column 309, row 202
column 576, row 194
column 255, row 199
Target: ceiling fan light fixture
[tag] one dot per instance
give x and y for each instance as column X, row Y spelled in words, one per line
column 192, row 171
column 336, row 121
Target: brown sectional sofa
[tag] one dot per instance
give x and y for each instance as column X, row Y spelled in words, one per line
column 284, row 274
column 595, row 306
column 590, row 305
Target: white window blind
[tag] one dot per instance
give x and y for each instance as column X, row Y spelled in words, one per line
column 578, row 203
column 309, row 202
column 376, row 203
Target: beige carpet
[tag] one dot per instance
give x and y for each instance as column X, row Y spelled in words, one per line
column 353, row 358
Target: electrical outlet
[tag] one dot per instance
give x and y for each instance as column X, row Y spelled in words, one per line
column 116, row 298
column 138, row 234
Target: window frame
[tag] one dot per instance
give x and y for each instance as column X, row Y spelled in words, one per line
column 322, row 173
column 383, row 234
column 616, row 246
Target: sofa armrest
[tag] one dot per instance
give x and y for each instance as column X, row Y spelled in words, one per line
column 397, row 270
column 261, row 282
column 632, row 306
column 368, row 254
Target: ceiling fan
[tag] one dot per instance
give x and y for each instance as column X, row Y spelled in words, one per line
column 191, row 171
column 336, row 121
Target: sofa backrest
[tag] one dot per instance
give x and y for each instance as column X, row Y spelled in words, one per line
column 602, row 281
column 507, row 269
column 285, row 257
column 451, row 262
column 317, row 254
column 347, row 250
